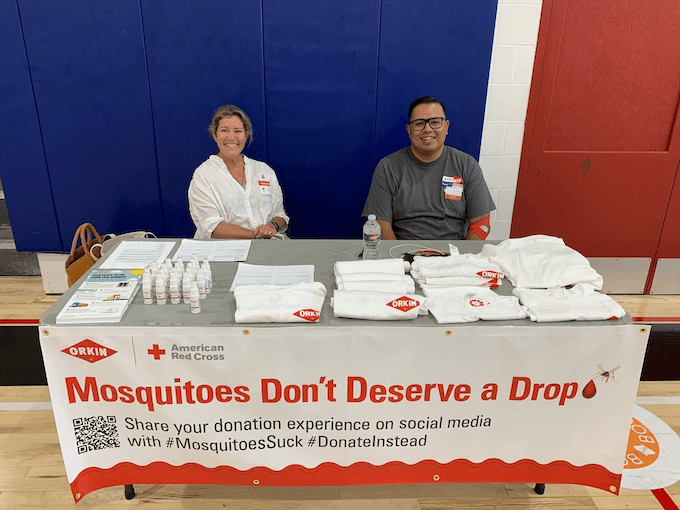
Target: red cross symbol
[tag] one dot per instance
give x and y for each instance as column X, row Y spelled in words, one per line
column 156, row 352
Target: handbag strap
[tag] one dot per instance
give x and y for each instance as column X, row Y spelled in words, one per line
column 86, row 233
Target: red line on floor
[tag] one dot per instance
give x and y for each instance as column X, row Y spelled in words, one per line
column 656, row 319
column 666, row 502
column 19, row 321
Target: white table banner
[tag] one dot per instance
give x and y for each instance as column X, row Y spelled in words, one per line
column 343, row 405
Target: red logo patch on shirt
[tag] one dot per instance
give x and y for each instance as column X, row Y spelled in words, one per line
column 263, row 183
column 308, row 314
column 404, row 304
column 477, row 302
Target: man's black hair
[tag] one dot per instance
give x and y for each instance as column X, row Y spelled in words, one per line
column 422, row 100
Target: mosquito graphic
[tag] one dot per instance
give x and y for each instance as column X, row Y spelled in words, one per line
column 607, row 374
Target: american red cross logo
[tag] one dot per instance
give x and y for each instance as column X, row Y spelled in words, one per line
column 156, row 352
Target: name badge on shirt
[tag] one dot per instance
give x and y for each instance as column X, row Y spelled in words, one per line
column 265, row 185
column 453, row 188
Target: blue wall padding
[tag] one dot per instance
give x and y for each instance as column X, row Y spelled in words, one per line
column 320, row 76
column 23, row 169
column 120, row 94
column 443, row 50
column 91, row 88
column 201, row 55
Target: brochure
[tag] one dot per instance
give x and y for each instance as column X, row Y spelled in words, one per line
column 102, row 297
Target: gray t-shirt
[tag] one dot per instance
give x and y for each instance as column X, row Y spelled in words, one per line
column 428, row 200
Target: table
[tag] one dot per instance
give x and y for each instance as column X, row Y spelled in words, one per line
column 166, row 396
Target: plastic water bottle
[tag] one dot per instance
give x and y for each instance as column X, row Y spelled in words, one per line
column 371, row 238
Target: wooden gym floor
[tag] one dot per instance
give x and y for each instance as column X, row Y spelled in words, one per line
column 32, row 472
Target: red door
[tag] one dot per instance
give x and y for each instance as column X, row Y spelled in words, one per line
column 602, row 142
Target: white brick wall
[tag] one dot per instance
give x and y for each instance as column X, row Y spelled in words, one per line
column 512, row 61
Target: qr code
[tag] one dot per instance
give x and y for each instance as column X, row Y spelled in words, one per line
column 96, row 433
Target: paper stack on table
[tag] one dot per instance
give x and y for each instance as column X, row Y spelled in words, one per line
column 104, row 296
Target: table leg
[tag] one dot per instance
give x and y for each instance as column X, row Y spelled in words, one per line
column 129, row 491
column 539, row 488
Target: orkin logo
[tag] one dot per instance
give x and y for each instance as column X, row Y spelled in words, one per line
column 490, row 274
column 89, row 351
column 308, row 314
column 404, row 304
column 477, row 302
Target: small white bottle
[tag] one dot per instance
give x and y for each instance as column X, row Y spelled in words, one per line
column 195, row 299
column 200, row 283
column 174, row 289
column 186, row 288
column 161, row 295
column 207, row 272
column 147, row 289
column 153, row 275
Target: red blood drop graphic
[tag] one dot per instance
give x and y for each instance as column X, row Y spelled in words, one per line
column 589, row 390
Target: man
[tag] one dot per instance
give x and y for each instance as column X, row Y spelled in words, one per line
column 429, row 190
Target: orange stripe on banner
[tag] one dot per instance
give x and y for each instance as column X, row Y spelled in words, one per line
column 666, row 502
column 656, row 319
column 360, row 473
column 19, row 321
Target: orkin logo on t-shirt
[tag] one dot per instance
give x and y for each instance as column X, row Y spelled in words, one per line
column 89, row 351
column 477, row 302
column 263, row 183
column 308, row 314
column 404, row 303
column 490, row 274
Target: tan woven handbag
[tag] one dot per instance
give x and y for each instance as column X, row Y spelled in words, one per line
column 81, row 259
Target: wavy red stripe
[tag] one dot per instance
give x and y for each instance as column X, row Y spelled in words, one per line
column 361, row 473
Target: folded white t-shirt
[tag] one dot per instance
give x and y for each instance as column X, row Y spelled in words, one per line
column 470, row 304
column 403, row 287
column 455, row 281
column 468, row 269
column 579, row 303
column 360, row 277
column 377, row 306
column 541, row 262
column 393, row 266
column 299, row 302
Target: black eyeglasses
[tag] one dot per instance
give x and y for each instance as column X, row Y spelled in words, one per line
column 434, row 122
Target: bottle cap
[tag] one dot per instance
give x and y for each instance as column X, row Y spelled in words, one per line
column 371, row 217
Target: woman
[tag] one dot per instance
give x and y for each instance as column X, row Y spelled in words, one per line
column 232, row 196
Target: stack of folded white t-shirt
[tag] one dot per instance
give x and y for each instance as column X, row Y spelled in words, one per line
column 580, row 302
column 541, row 262
column 471, row 303
column 375, row 290
column 299, row 302
column 373, row 275
column 377, row 306
column 553, row 282
column 455, row 270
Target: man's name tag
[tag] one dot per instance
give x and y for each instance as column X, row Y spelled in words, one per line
column 453, row 187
